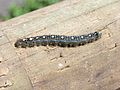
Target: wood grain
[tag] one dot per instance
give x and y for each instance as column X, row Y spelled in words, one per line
column 94, row 66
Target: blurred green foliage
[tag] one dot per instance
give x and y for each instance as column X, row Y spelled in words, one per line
column 28, row 6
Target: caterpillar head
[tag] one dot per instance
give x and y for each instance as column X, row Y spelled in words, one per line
column 97, row 35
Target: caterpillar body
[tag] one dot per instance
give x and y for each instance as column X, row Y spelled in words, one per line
column 57, row 40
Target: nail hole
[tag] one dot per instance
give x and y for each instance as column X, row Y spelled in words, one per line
column 61, row 55
column 115, row 44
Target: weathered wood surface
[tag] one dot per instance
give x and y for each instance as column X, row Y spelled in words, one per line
column 95, row 66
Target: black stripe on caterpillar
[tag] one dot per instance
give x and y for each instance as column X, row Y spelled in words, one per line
column 58, row 40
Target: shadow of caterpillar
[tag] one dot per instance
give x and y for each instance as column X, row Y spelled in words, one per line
column 58, row 40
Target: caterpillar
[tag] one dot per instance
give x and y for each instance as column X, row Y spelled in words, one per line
column 57, row 40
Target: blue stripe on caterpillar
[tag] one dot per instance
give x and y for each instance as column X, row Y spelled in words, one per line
column 57, row 40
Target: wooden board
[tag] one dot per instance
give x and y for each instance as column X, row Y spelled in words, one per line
column 94, row 66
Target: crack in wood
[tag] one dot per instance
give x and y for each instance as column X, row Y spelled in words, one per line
column 64, row 68
column 6, row 84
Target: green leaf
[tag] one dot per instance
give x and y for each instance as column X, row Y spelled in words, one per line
column 15, row 11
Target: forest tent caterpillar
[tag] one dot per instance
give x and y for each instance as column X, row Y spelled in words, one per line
column 57, row 40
